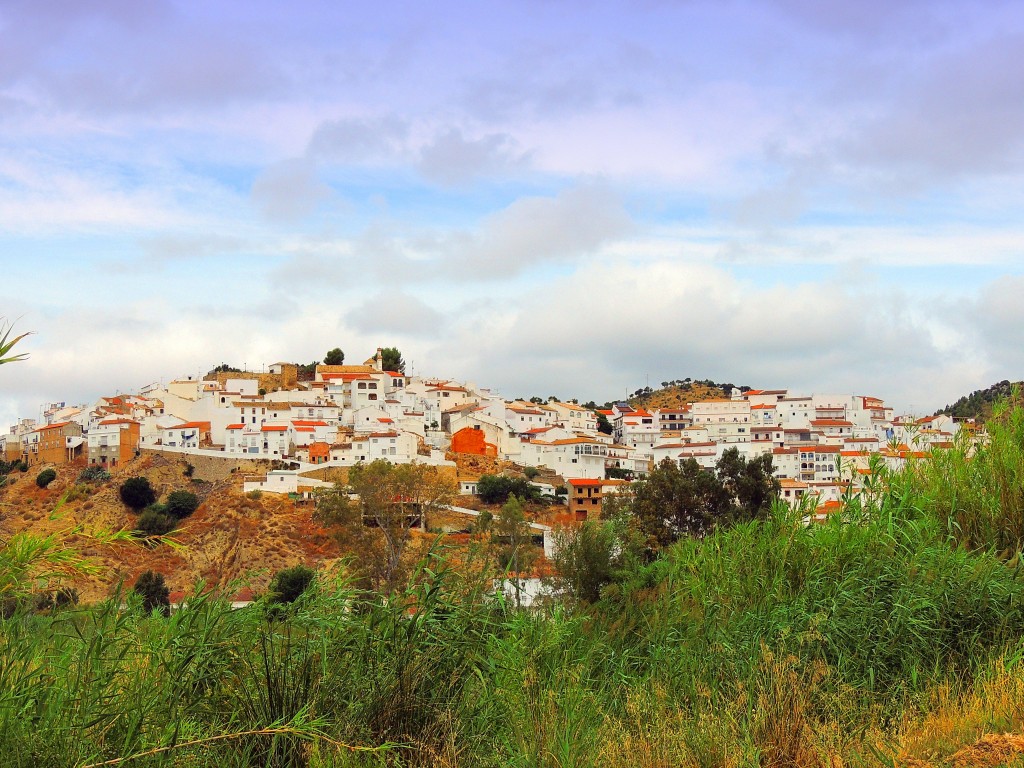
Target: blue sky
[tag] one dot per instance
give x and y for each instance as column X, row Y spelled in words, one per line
column 546, row 197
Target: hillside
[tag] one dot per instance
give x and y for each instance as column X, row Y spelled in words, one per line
column 978, row 405
column 230, row 536
column 675, row 394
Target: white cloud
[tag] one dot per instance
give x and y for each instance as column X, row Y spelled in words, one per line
column 451, row 159
column 395, row 312
column 289, row 191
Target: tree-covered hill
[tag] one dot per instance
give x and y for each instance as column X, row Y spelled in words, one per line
column 978, row 404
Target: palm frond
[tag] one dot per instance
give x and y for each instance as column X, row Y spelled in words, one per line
column 7, row 343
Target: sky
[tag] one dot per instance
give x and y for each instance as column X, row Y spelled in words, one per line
column 546, row 198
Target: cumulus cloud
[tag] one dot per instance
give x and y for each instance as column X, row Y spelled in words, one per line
column 289, row 191
column 163, row 250
column 538, row 230
column 671, row 319
column 395, row 312
column 451, row 159
column 359, row 139
column 994, row 320
column 527, row 234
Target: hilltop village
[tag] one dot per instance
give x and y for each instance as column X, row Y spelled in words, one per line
column 822, row 445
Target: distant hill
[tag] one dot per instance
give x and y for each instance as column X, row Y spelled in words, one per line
column 674, row 394
column 978, row 404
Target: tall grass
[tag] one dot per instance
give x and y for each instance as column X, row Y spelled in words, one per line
column 890, row 634
column 976, row 491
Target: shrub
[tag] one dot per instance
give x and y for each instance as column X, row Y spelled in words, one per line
column 78, row 492
column 289, row 584
column 23, row 466
column 62, row 597
column 531, row 472
column 156, row 596
column 181, row 504
column 189, row 470
column 255, row 494
column 496, row 489
column 93, row 474
column 46, row 477
column 137, row 493
column 153, row 522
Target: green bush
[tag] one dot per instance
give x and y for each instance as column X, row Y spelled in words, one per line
column 181, row 504
column 289, row 584
column 155, row 594
column 154, row 522
column 496, row 489
column 46, row 477
column 137, row 493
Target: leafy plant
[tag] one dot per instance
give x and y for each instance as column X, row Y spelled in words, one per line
column 154, row 522
column 137, row 493
column 46, row 477
column 156, row 596
column 94, row 473
column 181, row 504
column 289, row 584
column 7, row 343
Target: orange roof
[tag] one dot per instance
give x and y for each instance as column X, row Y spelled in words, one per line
column 761, row 407
column 273, row 428
column 191, row 425
column 53, row 426
column 831, row 423
column 300, row 423
column 235, row 426
column 582, row 481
